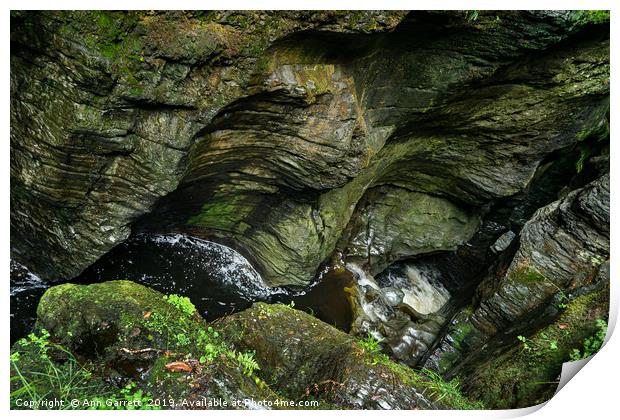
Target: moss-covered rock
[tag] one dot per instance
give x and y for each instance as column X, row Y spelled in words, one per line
column 160, row 342
column 123, row 333
column 303, row 357
column 529, row 374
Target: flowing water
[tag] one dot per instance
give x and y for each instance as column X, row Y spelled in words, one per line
column 217, row 279
column 26, row 290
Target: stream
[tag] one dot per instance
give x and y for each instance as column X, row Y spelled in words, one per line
column 217, row 279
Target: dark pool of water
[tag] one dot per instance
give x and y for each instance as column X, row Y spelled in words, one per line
column 26, row 290
column 217, row 279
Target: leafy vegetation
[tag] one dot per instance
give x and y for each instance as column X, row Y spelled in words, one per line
column 247, row 362
column 591, row 344
column 538, row 347
column 440, row 390
column 529, row 373
column 595, row 17
column 371, row 345
column 433, row 385
column 182, row 303
column 43, row 371
column 129, row 398
column 472, row 15
column 205, row 344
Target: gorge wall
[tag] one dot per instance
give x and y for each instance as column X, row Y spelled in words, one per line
column 456, row 163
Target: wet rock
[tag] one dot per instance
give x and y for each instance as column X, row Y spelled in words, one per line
column 401, row 308
column 304, row 357
column 503, row 242
column 26, row 290
column 563, row 251
column 395, row 223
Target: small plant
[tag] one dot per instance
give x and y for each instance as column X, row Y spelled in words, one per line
column 591, row 344
column 438, row 389
column 247, row 362
column 182, row 339
column 524, row 342
column 562, row 300
column 43, row 370
column 208, row 340
column 182, row 303
column 138, row 399
column 595, row 17
column 210, row 353
column 596, row 261
column 157, row 322
column 372, row 346
column 538, row 349
column 551, row 344
column 472, row 15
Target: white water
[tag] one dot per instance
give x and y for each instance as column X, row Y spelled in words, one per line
column 228, row 266
column 424, row 295
column 26, row 281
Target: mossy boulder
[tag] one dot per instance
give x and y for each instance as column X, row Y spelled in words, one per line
column 133, row 333
column 303, row 357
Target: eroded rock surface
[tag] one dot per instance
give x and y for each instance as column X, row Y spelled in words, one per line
column 264, row 130
column 456, row 164
column 555, row 262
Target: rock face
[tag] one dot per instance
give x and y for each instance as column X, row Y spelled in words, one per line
column 274, row 131
column 105, row 106
column 563, row 253
column 397, row 223
column 561, row 249
column 403, row 124
column 403, row 308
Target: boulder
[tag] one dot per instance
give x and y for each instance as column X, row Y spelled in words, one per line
column 301, row 356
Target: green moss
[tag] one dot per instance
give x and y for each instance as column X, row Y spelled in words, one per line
column 181, row 302
column 528, row 374
column 225, row 213
column 525, row 275
column 325, row 359
column 593, row 17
